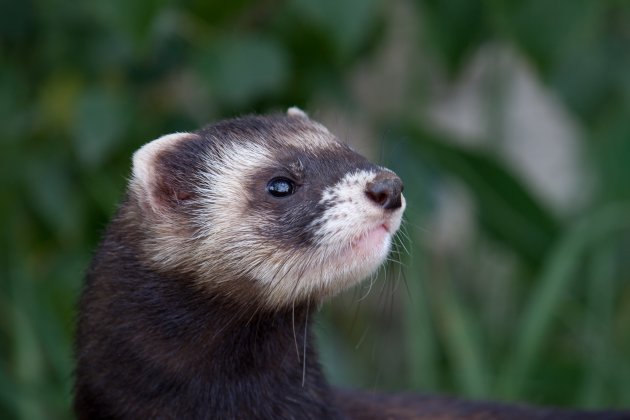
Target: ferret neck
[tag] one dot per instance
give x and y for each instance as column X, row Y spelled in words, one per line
column 167, row 348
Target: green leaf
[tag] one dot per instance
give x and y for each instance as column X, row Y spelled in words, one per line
column 218, row 13
column 346, row 23
column 454, row 28
column 548, row 31
column 239, row 70
column 554, row 282
column 132, row 20
column 50, row 195
column 17, row 20
column 101, row 120
column 507, row 210
column 463, row 341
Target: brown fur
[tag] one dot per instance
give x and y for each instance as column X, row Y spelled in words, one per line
column 199, row 300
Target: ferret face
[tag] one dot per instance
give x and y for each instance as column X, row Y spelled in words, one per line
column 272, row 207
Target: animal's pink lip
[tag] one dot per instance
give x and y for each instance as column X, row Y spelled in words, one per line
column 372, row 238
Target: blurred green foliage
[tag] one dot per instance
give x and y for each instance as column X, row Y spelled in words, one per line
column 83, row 84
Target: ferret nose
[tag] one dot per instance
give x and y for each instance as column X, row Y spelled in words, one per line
column 385, row 190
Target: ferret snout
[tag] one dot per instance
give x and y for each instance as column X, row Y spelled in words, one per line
column 385, row 190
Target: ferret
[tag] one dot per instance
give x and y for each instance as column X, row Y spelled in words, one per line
column 197, row 302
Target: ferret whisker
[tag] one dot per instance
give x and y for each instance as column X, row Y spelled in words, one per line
column 308, row 304
column 297, row 350
column 372, row 279
column 362, row 338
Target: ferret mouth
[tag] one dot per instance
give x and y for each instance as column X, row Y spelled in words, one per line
column 371, row 240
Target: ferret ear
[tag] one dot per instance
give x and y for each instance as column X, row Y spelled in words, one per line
column 157, row 173
column 294, row 111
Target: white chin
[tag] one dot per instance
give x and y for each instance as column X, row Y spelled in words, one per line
column 364, row 256
column 371, row 248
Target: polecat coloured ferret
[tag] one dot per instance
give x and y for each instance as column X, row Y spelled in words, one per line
column 197, row 301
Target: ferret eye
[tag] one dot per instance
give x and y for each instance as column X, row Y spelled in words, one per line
column 281, row 187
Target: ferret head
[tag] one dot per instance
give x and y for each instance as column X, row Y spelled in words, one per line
column 273, row 208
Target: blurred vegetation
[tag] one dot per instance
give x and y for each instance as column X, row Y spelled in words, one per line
column 83, row 84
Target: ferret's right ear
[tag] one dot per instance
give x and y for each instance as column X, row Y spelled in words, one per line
column 296, row 112
column 153, row 182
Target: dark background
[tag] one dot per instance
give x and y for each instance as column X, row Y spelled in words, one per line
column 509, row 122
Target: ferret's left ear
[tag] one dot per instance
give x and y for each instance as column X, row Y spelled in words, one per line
column 158, row 176
column 294, row 111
